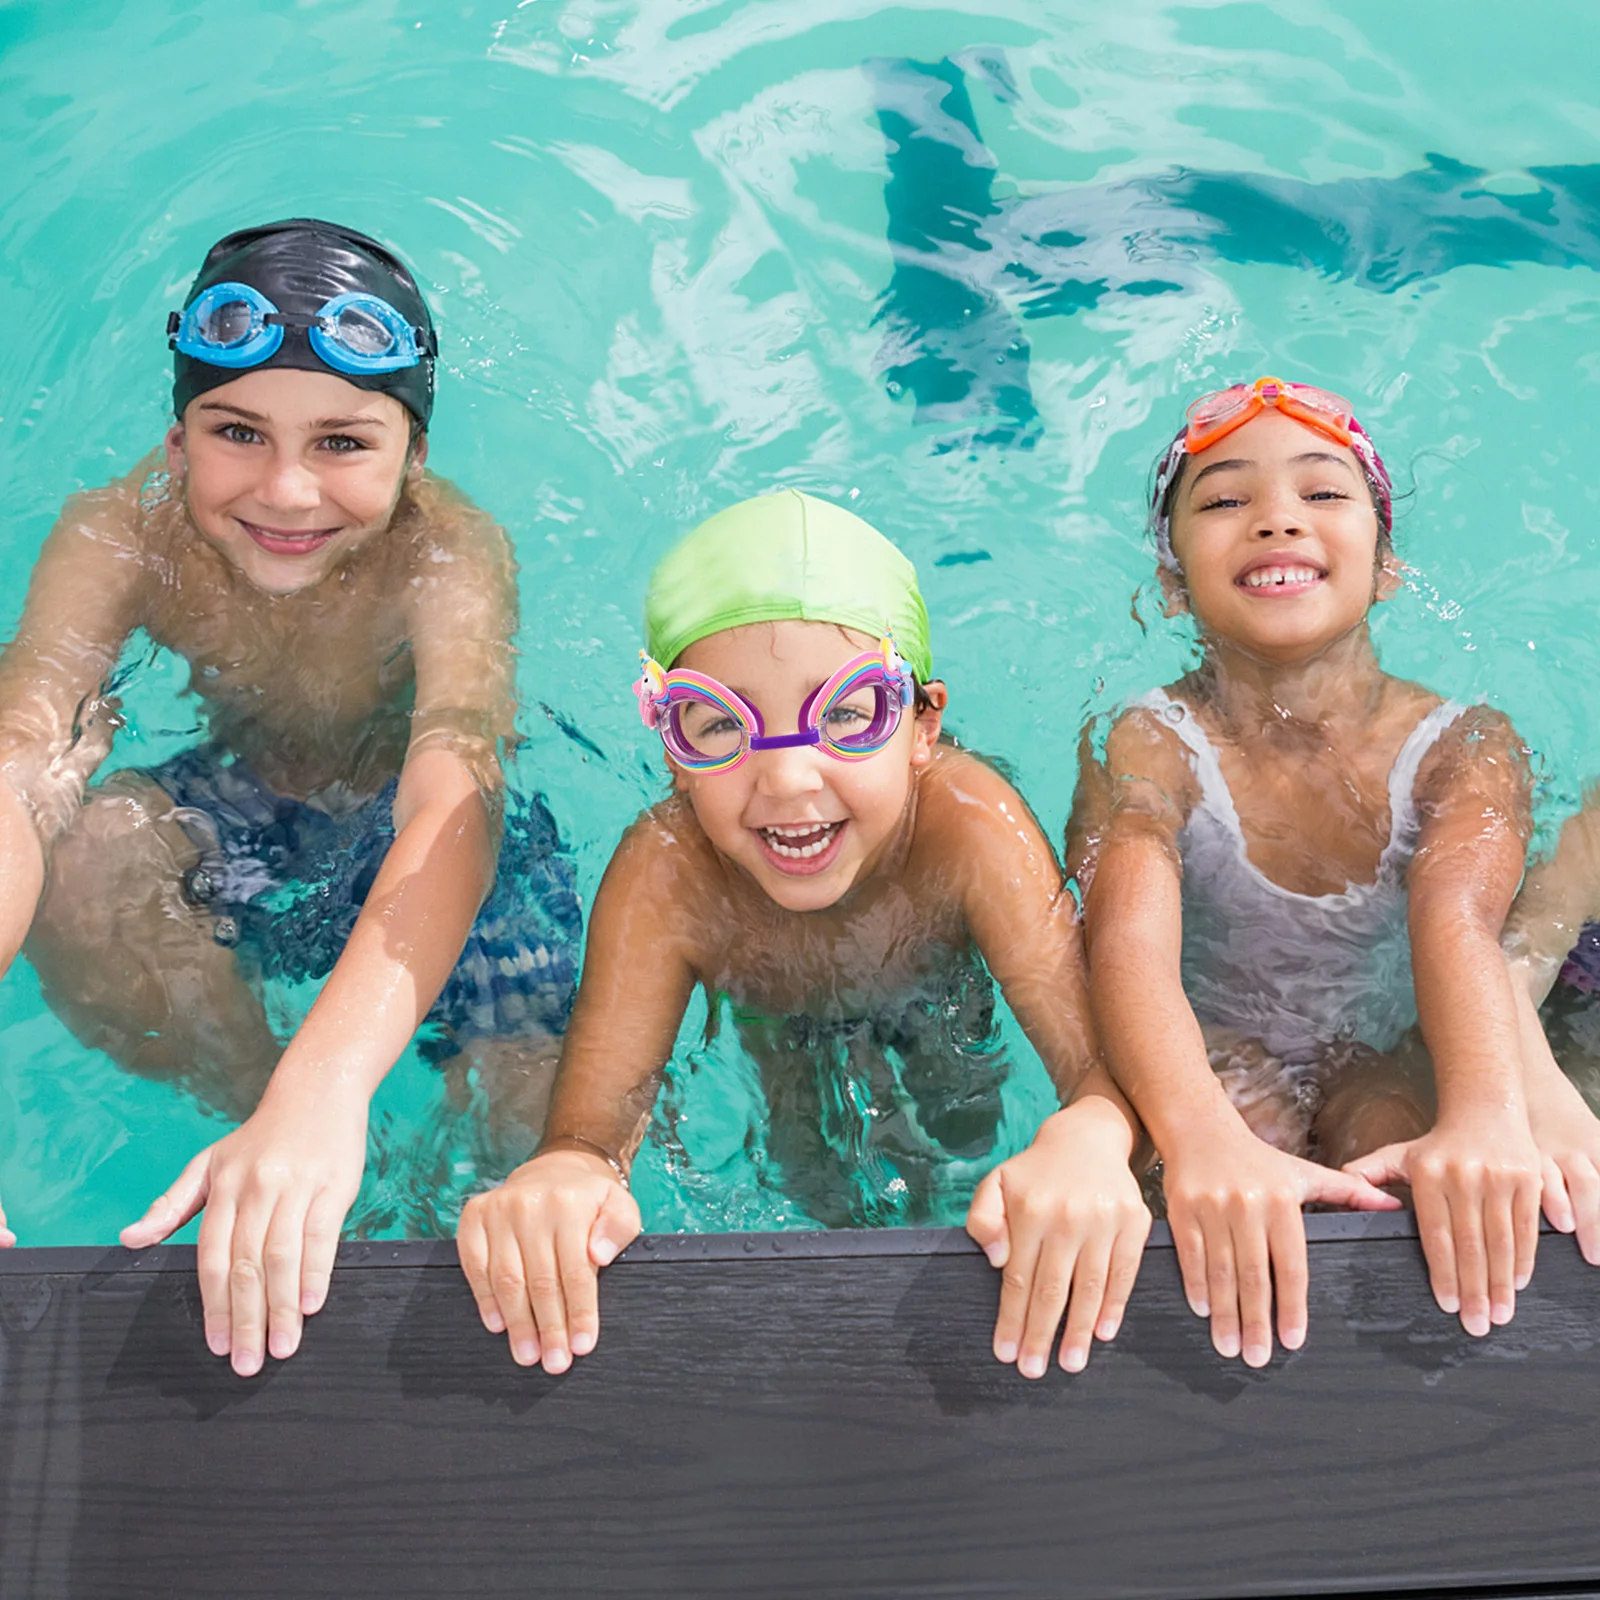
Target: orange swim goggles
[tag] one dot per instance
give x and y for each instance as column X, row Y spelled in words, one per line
column 1214, row 416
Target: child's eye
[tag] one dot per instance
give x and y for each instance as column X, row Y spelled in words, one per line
column 707, row 726
column 342, row 444
column 1327, row 494
column 238, row 433
column 846, row 717
column 1222, row 502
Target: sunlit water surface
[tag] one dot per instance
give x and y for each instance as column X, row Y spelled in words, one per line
column 657, row 236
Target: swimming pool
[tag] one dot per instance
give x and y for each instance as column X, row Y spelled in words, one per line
column 658, row 238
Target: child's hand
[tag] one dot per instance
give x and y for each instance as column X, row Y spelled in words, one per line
column 1475, row 1183
column 1567, row 1133
column 7, row 1237
column 532, row 1247
column 1064, row 1216
column 275, row 1193
column 1233, row 1203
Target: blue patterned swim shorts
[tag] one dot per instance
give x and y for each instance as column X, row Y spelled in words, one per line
column 284, row 882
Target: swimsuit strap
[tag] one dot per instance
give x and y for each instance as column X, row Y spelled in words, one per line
column 1215, row 796
column 1403, row 821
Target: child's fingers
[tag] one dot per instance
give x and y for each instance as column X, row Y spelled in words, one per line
column 1354, row 1187
column 616, row 1227
column 543, row 1278
column 1468, row 1205
column 247, row 1287
column 986, row 1219
column 1524, row 1231
column 1290, row 1277
column 1583, row 1189
column 1500, row 1257
column 580, row 1287
column 169, row 1211
column 283, row 1253
column 1222, row 1290
column 472, row 1246
column 509, row 1286
column 1438, row 1246
column 1054, row 1268
column 1016, row 1294
column 324, row 1220
column 1127, row 1255
column 1090, row 1274
column 1554, row 1198
column 1190, row 1242
column 1253, row 1271
column 1388, row 1165
column 213, row 1262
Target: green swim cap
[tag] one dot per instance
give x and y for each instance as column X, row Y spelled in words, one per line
column 785, row 557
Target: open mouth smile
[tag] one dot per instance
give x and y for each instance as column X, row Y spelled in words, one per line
column 1281, row 579
column 800, row 848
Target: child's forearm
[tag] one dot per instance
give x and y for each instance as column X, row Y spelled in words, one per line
column 1547, row 1089
column 21, row 871
column 1156, row 1050
column 1468, row 1012
column 406, row 941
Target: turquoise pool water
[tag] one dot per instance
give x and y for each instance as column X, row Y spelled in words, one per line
column 658, row 238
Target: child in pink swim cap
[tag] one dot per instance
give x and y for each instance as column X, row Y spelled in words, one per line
column 1292, row 859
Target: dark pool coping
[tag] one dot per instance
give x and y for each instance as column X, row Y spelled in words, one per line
column 801, row 1245
column 796, row 1414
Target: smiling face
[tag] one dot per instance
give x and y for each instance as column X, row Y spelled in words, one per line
column 287, row 474
column 1277, row 539
column 805, row 826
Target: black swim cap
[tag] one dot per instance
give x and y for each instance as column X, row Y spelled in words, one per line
column 300, row 265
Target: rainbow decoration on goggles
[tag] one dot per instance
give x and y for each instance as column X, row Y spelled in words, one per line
column 662, row 693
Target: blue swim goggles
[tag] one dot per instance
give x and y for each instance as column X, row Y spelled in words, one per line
column 233, row 325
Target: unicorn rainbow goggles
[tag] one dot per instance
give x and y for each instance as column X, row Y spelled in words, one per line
column 233, row 325
column 707, row 727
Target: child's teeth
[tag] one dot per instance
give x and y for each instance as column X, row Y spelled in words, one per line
column 785, row 841
column 1278, row 576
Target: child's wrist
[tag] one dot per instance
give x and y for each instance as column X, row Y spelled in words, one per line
column 586, row 1146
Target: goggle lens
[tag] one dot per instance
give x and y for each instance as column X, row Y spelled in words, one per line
column 229, row 323
column 861, row 722
column 362, row 333
column 701, row 732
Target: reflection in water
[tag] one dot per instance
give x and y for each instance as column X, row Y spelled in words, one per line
column 968, row 265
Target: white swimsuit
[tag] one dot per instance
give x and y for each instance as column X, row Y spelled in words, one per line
column 1299, row 972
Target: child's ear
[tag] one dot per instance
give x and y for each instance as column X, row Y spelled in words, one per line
column 930, row 719
column 1174, row 596
column 1391, row 578
column 419, row 456
column 173, row 444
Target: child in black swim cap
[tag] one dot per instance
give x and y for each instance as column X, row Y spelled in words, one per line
column 347, row 620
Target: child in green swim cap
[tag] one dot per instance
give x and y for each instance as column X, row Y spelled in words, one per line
column 825, row 864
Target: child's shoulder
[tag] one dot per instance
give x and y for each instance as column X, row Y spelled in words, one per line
column 1147, row 736
column 954, row 778
column 1477, row 747
column 968, row 808
column 442, row 522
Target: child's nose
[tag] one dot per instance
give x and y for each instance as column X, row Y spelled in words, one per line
column 290, row 485
column 1279, row 512
column 789, row 772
